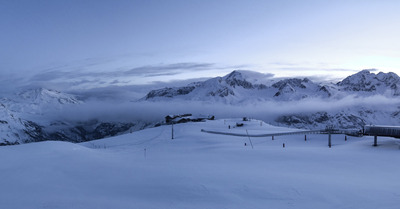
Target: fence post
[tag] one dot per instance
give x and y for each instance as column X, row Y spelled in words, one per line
column 329, row 141
column 172, row 131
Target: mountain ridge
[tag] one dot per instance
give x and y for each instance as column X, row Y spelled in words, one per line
column 234, row 84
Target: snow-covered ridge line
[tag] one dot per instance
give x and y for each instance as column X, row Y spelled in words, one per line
column 244, row 86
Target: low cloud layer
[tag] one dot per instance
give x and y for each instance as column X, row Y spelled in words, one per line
column 146, row 71
column 267, row 111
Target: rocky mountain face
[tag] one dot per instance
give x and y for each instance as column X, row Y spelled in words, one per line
column 23, row 120
column 367, row 82
column 11, row 127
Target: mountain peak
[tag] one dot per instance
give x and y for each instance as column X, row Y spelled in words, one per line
column 366, row 71
column 252, row 77
column 366, row 81
column 293, row 82
column 43, row 95
column 388, row 77
column 238, row 74
column 361, row 77
column 238, row 78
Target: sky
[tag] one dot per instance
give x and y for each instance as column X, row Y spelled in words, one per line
column 88, row 44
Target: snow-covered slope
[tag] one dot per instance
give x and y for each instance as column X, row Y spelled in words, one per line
column 37, row 101
column 23, row 114
column 27, row 117
column 147, row 169
column 12, row 128
column 47, row 96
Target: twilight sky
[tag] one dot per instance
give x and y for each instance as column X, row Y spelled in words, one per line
column 97, row 43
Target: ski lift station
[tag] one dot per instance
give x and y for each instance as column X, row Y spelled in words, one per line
column 390, row 131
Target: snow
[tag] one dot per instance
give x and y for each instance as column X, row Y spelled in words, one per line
column 146, row 169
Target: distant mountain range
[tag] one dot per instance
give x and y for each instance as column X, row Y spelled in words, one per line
column 23, row 116
column 244, row 87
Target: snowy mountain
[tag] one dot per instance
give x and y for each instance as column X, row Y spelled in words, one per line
column 245, row 87
column 28, row 117
column 17, row 114
column 47, row 96
column 366, row 82
column 241, row 86
column 297, row 89
column 38, row 101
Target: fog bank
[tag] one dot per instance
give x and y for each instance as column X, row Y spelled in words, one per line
column 267, row 111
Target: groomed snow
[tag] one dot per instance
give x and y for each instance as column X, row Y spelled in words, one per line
column 146, row 169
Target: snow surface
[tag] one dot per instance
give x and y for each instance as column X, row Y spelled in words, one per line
column 147, row 169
